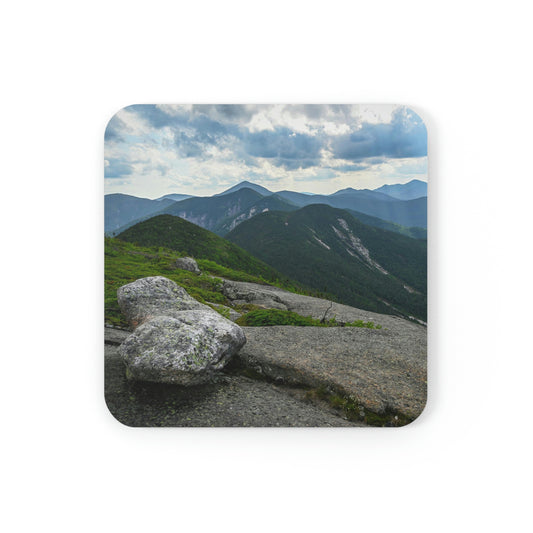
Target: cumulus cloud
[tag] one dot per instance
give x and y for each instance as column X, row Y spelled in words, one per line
column 352, row 168
column 283, row 147
column 115, row 168
column 114, row 130
column 154, row 115
column 266, row 143
column 404, row 136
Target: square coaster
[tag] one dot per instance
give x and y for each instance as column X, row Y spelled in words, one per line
column 266, row 265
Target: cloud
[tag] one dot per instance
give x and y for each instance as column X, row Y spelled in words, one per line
column 116, row 168
column 222, row 144
column 195, row 132
column 194, row 138
column 319, row 112
column 405, row 136
column 283, row 147
column 237, row 114
column 154, row 115
column 114, row 129
column 352, row 168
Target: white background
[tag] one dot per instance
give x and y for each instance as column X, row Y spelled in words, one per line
column 465, row 465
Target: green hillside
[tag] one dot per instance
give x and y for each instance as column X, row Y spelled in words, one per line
column 266, row 203
column 414, row 232
column 122, row 209
column 210, row 212
column 409, row 213
column 125, row 262
column 177, row 234
column 330, row 250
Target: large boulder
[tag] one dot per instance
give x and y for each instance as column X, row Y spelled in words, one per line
column 177, row 339
column 183, row 349
column 154, row 296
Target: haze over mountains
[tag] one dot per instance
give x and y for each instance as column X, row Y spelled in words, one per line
column 122, row 209
column 223, row 212
column 408, row 191
column 175, row 197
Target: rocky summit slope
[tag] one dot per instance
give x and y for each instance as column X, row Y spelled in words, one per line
column 384, row 369
column 285, row 375
column 231, row 400
column 331, row 250
column 372, row 366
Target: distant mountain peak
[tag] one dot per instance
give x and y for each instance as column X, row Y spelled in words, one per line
column 405, row 191
column 174, row 196
column 347, row 189
column 248, row 185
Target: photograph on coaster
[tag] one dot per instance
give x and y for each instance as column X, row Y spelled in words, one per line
column 265, row 265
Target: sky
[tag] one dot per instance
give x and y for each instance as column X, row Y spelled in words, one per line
column 153, row 150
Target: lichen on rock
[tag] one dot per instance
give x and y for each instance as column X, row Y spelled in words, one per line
column 154, row 296
column 183, row 351
column 177, row 339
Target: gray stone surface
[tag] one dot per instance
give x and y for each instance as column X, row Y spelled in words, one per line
column 187, row 263
column 251, row 293
column 240, row 291
column 115, row 336
column 385, row 370
column 176, row 339
column 230, row 401
column 184, row 349
column 153, row 296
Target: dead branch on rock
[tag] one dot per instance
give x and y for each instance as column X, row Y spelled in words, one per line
column 323, row 319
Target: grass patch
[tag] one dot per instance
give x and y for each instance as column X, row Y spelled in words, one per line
column 224, row 311
column 126, row 262
column 276, row 317
column 354, row 411
column 246, row 307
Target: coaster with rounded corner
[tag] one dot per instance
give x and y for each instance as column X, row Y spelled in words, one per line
column 266, row 265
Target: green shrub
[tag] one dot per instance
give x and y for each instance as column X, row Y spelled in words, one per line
column 224, row 311
column 277, row 317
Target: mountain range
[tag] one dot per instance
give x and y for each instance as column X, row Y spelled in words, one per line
column 404, row 212
column 330, row 250
column 175, row 197
column 407, row 191
column 122, row 209
column 223, row 212
column 319, row 247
